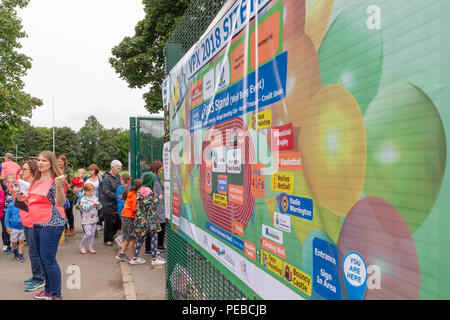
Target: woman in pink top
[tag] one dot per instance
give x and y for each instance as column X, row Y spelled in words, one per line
column 29, row 169
column 2, row 218
column 46, row 198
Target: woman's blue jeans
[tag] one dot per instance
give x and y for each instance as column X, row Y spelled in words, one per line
column 46, row 241
column 36, row 268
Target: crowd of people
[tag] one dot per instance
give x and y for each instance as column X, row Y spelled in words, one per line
column 37, row 201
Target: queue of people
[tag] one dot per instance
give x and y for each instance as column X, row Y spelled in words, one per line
column 37, row 199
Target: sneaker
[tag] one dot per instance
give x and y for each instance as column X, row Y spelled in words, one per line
column 92, row 251
column 43, row 295
column 138, row 260
column 158, row 261
column 82, row 250
column 4, row 248
column 16, row 253
column 28, row 281
column 162, row 249
column 35, row 285
column 122, row 257
column 20, row 257
column 147, row 253
column 8, row 250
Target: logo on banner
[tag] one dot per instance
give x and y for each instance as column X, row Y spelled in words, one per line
column 297, row 206
column 250, row 250
column 265, row 119
column 271, row 262
column 355, row 275
column 234, row 160
column 258, row 180
column 273, row 247
column 283, row 182
column 222, row 184
column 283, row 138
column 325, row 269
column 297, row 278
column 218, row 155
column 236, row 194
column 282, row 221
column 208, row 85
column 220, row 200
column 176, row 204
column 208, row 180
column 197, row 93
column 223, row 74
column 288, row 161
column 272, row 234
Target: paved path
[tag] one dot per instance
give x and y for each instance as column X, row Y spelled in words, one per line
column 101, row 276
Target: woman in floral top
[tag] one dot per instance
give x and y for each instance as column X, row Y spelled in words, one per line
column 146, row 221
column 89, row 206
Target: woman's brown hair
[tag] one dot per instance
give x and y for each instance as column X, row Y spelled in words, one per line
column 135, row 185
column 54, row 168
column 32, row 164
column 94, row 167
column 155, row 166
column 63, row 158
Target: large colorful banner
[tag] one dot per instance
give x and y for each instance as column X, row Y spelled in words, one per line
column 308, row 148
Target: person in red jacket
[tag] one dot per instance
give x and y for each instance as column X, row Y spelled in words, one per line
column 128, row 215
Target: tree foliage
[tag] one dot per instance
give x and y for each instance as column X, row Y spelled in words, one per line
column 15, row 104
column 139, row 60
column 91, row 144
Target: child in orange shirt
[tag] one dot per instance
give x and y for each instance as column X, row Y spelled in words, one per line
column 128, row 215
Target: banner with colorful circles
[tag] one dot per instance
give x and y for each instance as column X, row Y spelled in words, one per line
column 309, row 150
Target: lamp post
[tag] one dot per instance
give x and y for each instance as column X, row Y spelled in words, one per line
column 53, row 112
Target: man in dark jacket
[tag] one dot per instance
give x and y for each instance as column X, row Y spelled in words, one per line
column 110, row 183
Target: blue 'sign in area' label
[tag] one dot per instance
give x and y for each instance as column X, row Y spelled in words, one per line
column 325, row 269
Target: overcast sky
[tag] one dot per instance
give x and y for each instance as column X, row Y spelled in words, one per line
column 70, row 43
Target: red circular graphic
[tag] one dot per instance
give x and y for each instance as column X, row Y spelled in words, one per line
column 221, row 216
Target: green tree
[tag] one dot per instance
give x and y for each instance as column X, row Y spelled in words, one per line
column 108, row 149
column 89, row 136
column 123, row 143
column 67, row 143
column 139, row 60
column 15, row 104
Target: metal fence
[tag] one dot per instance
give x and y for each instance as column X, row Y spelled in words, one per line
column 146, row 143
column 189, row 274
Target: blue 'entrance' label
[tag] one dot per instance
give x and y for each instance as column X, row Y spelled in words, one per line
column 325, row 269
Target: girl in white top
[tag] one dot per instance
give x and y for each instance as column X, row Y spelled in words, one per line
column 89, row 206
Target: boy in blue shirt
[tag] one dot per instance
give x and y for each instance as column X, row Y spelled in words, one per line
column 126, row 180
column 15, row 230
